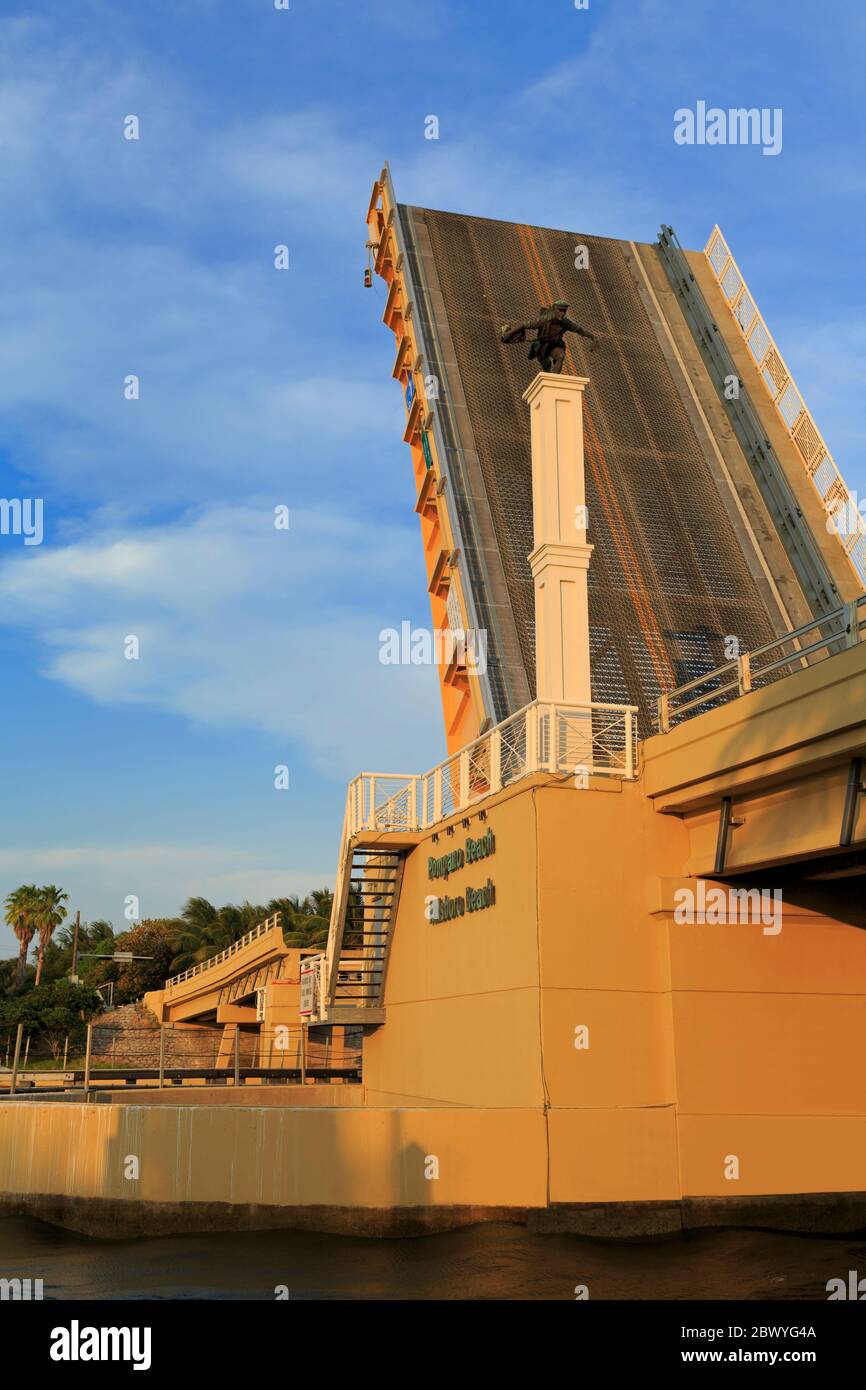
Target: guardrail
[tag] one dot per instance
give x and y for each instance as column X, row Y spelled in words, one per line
column 751, row 669
column 171, row 1054
column 845, row 519
column 227, row 954
column 596, row 739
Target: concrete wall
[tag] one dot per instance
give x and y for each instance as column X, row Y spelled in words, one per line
column 482, row 1010
column 604, row 968
column 706, row 1043
column 462, row 1001
column 195, row 1159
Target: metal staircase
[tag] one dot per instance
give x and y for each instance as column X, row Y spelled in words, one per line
column 351, row 975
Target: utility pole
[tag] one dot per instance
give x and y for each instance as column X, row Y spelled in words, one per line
column 14, row 1077
column 87, row 1056
column 74, row 973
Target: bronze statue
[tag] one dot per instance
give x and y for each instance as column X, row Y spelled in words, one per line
column 548, row 345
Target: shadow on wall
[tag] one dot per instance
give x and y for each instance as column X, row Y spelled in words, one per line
column 289, row 1157
column 418, row 1173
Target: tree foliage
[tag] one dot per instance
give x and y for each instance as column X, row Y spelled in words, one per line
column 52, row 1013
column 21, row 915
column 171, row 944
column 203, row 930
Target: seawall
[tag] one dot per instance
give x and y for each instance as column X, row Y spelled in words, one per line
column 132, row 1170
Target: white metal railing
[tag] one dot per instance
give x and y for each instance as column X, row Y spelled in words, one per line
column 846, row 521
column 227, row 954
column 750, row 670
column 320, row 967
column 596, row 739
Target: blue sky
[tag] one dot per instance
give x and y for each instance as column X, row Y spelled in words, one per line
column 262, row 388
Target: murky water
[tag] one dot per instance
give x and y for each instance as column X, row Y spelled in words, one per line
column 484, row 1262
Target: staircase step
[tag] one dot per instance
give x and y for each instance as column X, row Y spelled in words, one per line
column 369, row 896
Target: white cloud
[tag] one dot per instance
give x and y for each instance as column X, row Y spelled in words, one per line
column 221, row 407
column 239, row 624
column 155, row 257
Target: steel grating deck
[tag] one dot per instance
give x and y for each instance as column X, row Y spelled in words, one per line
column 669, row 579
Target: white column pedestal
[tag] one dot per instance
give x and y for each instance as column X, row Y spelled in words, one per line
column 560, row 557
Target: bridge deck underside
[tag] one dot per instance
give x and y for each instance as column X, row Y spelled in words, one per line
column 669, row 579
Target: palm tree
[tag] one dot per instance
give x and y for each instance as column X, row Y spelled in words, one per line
column 21, row 906
column 199, row 914
column 204, row 930
column 319, row 903
column 49, row 914
column 304, row 929
column 189, row 947
column 240, row 920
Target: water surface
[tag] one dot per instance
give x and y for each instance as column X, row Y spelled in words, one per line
column 483, row 1262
